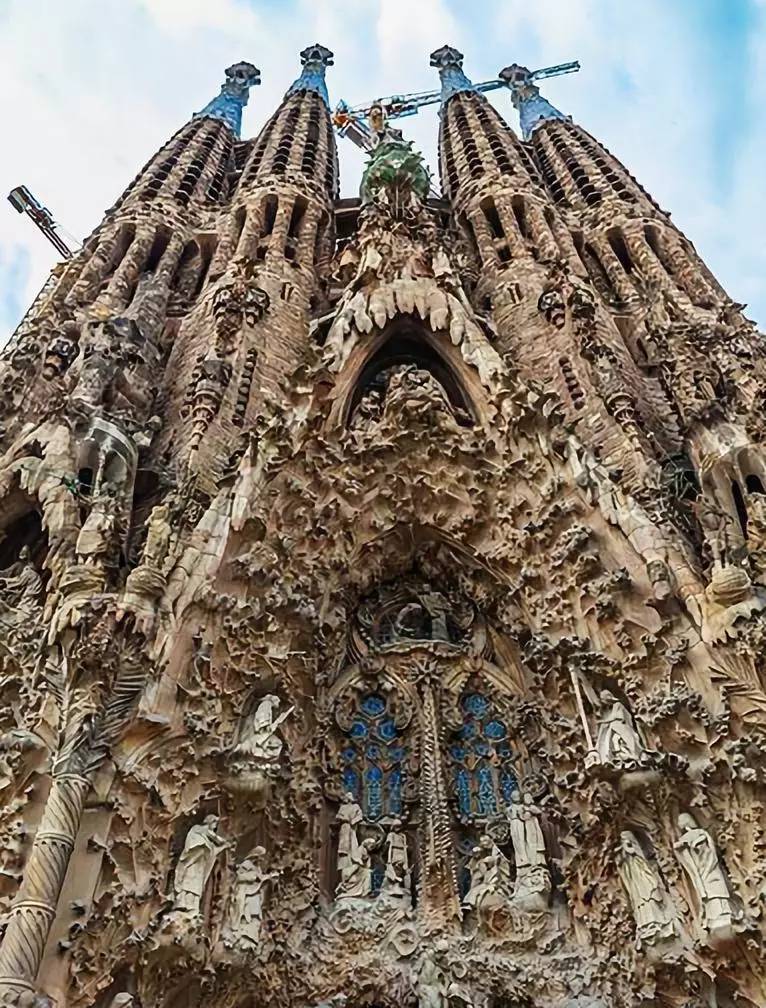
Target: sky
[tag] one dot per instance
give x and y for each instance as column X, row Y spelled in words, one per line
column 89, row 89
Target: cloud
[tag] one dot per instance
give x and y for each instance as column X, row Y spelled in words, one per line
column 92, row 88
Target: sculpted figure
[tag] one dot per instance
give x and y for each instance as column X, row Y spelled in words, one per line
column 97, row 534
column 356, row 872
column 157, row 537
column 490, row 875
column 646, row 895
column 259, row 740
column 20, row 584
column 246, row 907
column 617, row 743
column 533, row 880
column 699, row 858
column 202, row 848
column 432, row 984
column 397, row 880
column 349, row 817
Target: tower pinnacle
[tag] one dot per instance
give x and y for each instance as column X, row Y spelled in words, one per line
column 315, row 60
column 526, row 97
column 235, row 91
column 450, row 63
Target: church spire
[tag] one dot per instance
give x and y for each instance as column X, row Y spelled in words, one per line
column 450, row 63
column 526, row 97
column 315, row 60
column 235, row 91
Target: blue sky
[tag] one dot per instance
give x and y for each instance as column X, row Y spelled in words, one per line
column 90, row 88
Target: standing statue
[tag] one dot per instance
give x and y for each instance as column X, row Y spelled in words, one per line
column 533, row 880
column 245, row 917
column 490, row 876
column 654, row 922
column 157, row 537
column 617, row 742
column 96, row 538
column 202, row 848
column 20, row 585
column 349, row 817
column 258, row 739
column 432, row 984
column 397, row 880
column 697, row 854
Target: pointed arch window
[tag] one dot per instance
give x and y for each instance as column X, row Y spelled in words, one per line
column 373, row 758
column 483, row 773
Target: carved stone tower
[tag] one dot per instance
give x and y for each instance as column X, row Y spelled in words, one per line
column 383, row 583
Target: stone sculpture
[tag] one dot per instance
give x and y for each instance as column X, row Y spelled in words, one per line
column 533, row 881
column 202, row 848
column 397, row 879
column 647, row 897
column 246, row 906
column 699, row 858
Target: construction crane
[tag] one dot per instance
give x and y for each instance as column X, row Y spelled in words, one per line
column 21, row 199
column 354, row 121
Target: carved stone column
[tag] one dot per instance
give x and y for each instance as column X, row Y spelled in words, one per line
column 32, row 914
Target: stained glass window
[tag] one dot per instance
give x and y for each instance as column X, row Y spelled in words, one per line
column 373, row 759
column 483, row 774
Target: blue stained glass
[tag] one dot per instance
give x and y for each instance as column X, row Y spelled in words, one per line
column 481, row 748
column 504, row 750
column 373, row 704
column 396, row 753
column 457, row 751
column 358, row 729
column 486, row 791
column 374, row 792
column 463, row 788
column 508, row 784
column 475, row 704
column 387, row 730
column 373, row 751
column 377, row 878
column 395, row 791
column 467, row 731
column 349, row 754
column 494, row 730
column 351, row 781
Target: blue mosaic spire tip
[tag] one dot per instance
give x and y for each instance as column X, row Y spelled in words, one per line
column 526, row 97
column 235, row 91
column 450, row 64
column 315, row 59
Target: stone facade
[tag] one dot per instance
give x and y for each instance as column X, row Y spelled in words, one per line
column 382, row 584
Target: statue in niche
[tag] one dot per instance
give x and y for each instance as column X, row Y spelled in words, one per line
column 618, row 743
column 97, row 535
column 20, row 585
column 646, row 895
column 533, row 880
column 699, row 858
column 424, row 619
column 397, row 880
column 258, row 740
column 245, row 916
column 368, row 410
column 157, row 537
column 490, row 876
column 202, row 848
column 417, row 393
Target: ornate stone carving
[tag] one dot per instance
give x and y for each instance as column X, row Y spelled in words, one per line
column 696, row 852
column 202, row 848
column 646, row 894
column 533, row 881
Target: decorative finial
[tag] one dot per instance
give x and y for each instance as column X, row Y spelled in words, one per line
column 450, row 64
column 526, row 97
column 315, row 60
column 235, row 91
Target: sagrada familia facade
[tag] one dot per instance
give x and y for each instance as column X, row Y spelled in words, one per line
column 383, row 583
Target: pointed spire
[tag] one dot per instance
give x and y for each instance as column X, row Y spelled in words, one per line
column 235, row 91
column 315, row 60
column 450, row 64
column 526, row 97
